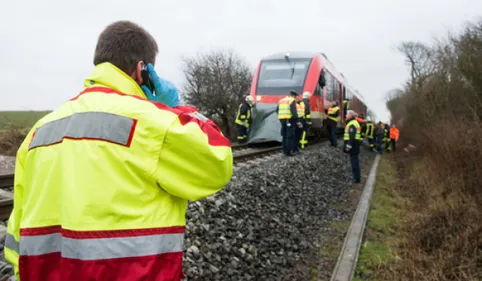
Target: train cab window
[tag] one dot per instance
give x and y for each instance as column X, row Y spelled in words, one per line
column 280, row 76
column 322, row 80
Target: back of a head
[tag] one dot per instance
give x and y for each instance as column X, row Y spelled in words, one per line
column 124, row 44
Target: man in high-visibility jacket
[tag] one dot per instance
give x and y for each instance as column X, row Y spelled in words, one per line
column 386, row 137
column 352, row 140
column 300, row 111
column 370, row 133
column 116, row 210
column 288, row 116
column 306, row 120
column 332, row 123
column 394, row 135
column 360, row 119
column 243, row 119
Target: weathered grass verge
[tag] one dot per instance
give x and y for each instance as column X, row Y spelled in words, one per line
column 383, row 223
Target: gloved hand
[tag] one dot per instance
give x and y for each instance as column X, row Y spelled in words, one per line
column 299, row 125
column 164, row 91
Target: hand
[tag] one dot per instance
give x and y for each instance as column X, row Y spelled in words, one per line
column 299, row 125
column 348, row 148
column 164, row 91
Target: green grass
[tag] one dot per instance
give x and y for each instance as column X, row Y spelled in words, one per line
column 382, row 223
column 19, row 119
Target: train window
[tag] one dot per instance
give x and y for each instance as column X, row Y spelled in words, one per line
column 318, row 90
column 281, row 76
column 322, row 80
column 329, row 85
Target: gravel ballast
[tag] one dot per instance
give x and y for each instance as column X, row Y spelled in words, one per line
column 267, row 223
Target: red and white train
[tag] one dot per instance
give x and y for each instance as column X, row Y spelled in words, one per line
column 280, row 73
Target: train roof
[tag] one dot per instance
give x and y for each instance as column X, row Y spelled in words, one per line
column 328, row 64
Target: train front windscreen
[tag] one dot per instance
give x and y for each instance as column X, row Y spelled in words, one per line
column 278, row 77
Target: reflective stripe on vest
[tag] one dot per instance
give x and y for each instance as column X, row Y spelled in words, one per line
column 98, row 245
column 370, row 130
column 86, row 125
column 332, row 113
column 284, row 111
column 300, row 109
column 353, row 122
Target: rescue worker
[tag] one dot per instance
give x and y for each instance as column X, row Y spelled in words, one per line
column 102, row 183
column 386, row 137
column 332, row 122
column 288, row 117
column 307, row 119
column 362, row 123
column 300, row 111
column 243, row 119
column 352, row 140
column 370, row 133
column 394, row 134
column 379, row 133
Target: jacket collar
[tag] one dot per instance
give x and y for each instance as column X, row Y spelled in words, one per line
column 108, row 75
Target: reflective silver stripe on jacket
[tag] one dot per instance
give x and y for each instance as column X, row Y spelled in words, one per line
column 85, row 125
column 11, row 243
column 101, row 248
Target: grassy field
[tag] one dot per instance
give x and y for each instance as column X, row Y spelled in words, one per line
column 19, row 119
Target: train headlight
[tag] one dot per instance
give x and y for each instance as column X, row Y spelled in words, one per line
column 258, row 98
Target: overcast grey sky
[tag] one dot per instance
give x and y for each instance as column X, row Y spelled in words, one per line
column 47, row 46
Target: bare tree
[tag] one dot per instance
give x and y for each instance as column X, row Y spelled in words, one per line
column 216, row 83
column 419, row 58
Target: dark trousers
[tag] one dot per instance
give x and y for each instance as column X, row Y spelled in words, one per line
column 298, row 134
column 394, row 142
column 242, row 133
column 371, row 142
column 379, row 143
column 332, row 135
column 288, row 134
column 355, row 166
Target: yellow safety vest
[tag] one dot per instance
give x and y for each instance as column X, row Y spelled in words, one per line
column 331, row 113
column 106, row 179
column 284, row 111
column 300, row 109
column 242, row 118
column 352, row 122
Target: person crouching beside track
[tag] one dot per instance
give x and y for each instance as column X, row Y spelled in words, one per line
column 394, row 135
column 300, row 110
column 288, row 117
column 102, row 183
column 306, row 122
column 352, row 140
column 332, row 122
column 243, row 119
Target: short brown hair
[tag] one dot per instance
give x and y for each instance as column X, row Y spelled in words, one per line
column 124, row 44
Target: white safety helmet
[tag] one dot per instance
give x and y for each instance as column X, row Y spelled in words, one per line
column 249, row 99
column 306, row 95
column 369, row 119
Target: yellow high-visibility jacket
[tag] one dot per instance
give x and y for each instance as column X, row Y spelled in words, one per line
column 102, row 184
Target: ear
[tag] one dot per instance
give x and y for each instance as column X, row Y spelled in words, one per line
column 137, row 75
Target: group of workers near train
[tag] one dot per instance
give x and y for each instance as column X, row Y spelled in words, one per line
column 295, row 118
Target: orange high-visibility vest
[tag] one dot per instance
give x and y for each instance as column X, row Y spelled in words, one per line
column 394, row 133
column 102, row 184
